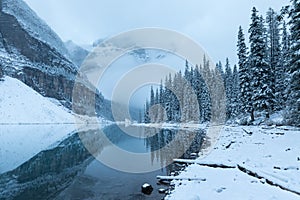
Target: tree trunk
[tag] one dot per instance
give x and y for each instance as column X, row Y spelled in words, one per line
column 252, row 114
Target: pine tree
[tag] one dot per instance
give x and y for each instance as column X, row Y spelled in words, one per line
column 146, row 112
column 178, row 84
column 197, row 86
column 235, row 101
column 285, row 59
column 245, row 75
column 276, row 74
column 140, row 120
column 168, row 98
column 219, row 67
column 156, row 106
column 228, row 89
column 205, row 106
column 151, row 106
column 161, row 113
column 261, row 82
column 294, row 96
column 218, row 100
column 152, row 98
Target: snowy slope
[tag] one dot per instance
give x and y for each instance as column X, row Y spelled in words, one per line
column 21, row 104
column 77, row 53
column 271, row 153
column 33, row 24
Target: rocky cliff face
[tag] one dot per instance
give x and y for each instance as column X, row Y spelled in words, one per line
column 36, row 27
column 31, row 52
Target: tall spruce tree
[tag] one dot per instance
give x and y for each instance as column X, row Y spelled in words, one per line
column 261, row 83
column 146, row 112
column 285, row 60
column 276, row 74
column 245, row 76
column 197, row 86
column 235, row 101
column 294, row 96
column 161, row 113
column 228, row 88
column 206, row 93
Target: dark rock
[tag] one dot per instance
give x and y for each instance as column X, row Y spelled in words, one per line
column 147, row 188
column 276, row 167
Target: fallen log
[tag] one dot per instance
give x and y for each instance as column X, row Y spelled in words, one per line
column 248, row 132
column 171, row 178
column 268, row 181
column 213, row 165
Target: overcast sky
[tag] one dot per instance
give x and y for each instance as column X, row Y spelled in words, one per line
column 212, row 23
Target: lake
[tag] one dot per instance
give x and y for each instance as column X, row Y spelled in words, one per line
column 101, row 164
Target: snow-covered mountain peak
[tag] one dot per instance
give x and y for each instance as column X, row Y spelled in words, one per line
column 76, row 52
column 33, row 24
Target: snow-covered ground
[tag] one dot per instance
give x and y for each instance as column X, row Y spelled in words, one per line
column 19, row 104
column 187, row 126
column 272, row 153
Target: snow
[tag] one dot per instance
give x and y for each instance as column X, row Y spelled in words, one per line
column 33, row 24
column 31, row 123
column 77, row 53
column 172, row 126
column 145, row 185
column 270, row 152
column 20, row 108
column 19, row 104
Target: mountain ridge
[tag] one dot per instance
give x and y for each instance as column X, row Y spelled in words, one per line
column 41, row 65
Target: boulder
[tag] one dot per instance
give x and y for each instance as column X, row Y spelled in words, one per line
column 147, row 188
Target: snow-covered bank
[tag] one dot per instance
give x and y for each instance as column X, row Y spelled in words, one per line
column 30, row 123
column 185, row 126
column 19, row 104
column 271, row 153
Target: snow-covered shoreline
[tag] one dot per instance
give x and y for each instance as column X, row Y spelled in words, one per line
column 31, row 123
column 270, row 153
column 21, row 105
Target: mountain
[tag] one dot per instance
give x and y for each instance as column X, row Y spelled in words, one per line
column 31, row 52
column 76, row 53
column 36, row 27
column 126, row 61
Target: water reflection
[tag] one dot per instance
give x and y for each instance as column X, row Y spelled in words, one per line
column 69, row 171
column 187, row 143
